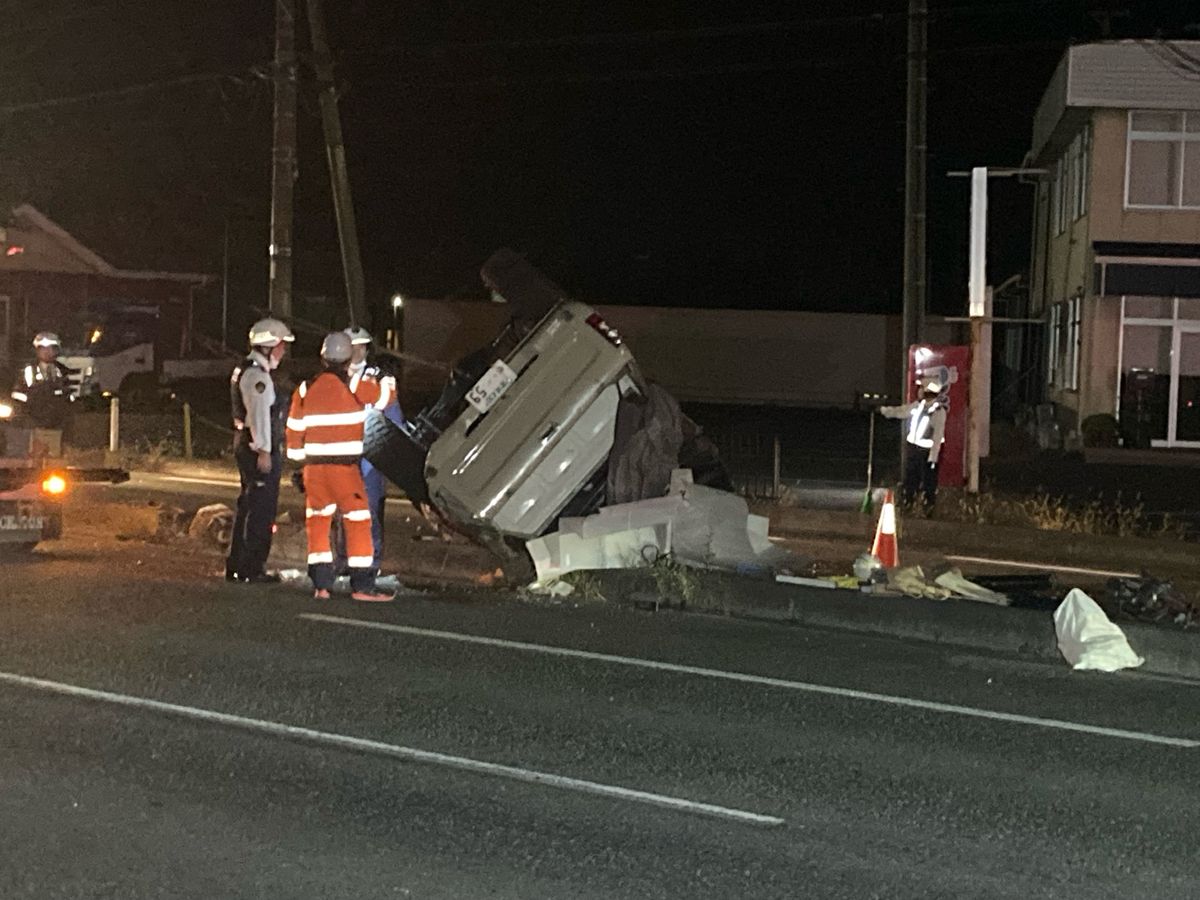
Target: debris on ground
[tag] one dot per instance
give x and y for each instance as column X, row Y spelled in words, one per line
column 1149, row 599
column 953, row 581
column 943, row 584
column 804, row 581
column 1087, row 638
column 868, row 568
column 695, row 525
column 911, row 581
column 553, row 588
column 1035, row 591
column 212, row 524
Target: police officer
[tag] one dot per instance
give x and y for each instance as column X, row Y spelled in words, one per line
column 363, row 367
column 926, row 432
column 258, row 420
column 43, row 393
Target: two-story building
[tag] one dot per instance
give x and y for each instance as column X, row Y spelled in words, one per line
column 1115, row 269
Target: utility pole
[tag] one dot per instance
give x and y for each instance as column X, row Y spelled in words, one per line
column 343, row 203
column 283, row 160
column 915, row 288
column 978, row 306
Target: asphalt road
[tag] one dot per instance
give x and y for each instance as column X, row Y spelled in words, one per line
column 829, row 772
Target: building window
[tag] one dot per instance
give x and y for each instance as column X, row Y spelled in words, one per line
column 1062, row 370
column 1060, row 197
column 1163, row 160
column 1158, row 367
column 1069, row 192
column 1074, row 308
column 1081, row 154
column 1053, row 336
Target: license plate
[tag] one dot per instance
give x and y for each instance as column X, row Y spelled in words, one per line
column 491, row 387
column 19, row 522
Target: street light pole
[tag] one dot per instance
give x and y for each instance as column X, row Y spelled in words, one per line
column 397, row 319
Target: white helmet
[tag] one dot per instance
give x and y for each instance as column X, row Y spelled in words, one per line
column 270, row 333
column 336, row 347
column 358, row 336
column 46, row 339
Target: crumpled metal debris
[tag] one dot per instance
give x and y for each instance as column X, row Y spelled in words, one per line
column 1150, row 599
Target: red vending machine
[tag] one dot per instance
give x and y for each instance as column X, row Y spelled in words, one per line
column 950, row 365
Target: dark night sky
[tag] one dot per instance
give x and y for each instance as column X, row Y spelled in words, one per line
column 739, row 154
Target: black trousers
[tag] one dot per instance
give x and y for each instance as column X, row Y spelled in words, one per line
column 257, row 504
column 920, row 478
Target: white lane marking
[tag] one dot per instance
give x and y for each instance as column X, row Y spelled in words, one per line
column 212, row 482
column 828, row 690
column 1072, row 570
column 409, row 754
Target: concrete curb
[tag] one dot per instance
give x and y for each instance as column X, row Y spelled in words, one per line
column 1021, row 632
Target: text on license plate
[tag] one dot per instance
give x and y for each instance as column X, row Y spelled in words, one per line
column 20, row 523
column 491, row 387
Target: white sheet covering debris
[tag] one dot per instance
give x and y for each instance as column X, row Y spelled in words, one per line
column 1088, row 639
column 694, row 524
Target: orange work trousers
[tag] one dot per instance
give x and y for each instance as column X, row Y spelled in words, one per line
column 337, row 489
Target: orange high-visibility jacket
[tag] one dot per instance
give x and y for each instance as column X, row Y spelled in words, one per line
column 325, row 423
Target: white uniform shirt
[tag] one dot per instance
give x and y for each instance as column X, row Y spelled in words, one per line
column 258, row 393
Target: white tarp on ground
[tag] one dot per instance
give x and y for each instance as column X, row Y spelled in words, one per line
column 1088, row 639
column 694, row 524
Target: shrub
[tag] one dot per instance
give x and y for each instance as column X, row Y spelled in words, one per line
column 1100, row 431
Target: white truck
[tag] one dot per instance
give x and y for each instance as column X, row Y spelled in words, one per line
column 120, row 351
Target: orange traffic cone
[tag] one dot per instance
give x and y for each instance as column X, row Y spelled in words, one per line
column 886, row 549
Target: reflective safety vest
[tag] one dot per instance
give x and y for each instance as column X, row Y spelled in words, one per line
column 920, row 423
column 325, row 423
column 45, row 391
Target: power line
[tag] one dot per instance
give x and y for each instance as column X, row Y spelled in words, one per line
column 605, row 38
column 131, row 90
column 634, row 75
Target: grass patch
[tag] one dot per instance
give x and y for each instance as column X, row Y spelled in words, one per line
column 677, row 582
column 1045, row 512
column 587, row 585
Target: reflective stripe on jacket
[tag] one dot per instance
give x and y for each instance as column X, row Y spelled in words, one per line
column 925, row 425
column 325, row 423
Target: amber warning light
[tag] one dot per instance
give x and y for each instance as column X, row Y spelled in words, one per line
column 55, row 485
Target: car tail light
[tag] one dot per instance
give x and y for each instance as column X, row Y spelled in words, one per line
column 54, row 484
column 610, row 334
